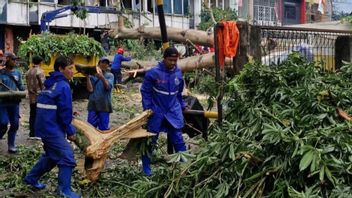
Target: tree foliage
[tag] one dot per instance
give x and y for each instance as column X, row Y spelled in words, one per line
column 347, row 19
column 80, row 13
column 219, row 14
column 140, row 49
column 281, row 137
column 48, row 44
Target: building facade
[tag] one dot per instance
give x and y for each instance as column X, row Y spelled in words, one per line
column 285, row 12
column 19, row 18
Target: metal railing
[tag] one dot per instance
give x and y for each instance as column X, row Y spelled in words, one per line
column 327, row 47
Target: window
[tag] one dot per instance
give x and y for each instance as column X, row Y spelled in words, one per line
column 220, row 3
column 103, row 3
column 185, row 7
column 150, row 6
column 213, row 3
column 138, row 5
column 264, row 10
column 167, row 6
column 290, row 12
column 177, row 7
column 64, row 2
column 126, row 4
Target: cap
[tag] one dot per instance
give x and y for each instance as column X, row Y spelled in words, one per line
column 104, row 58
column 11, row 55
column 171, row 52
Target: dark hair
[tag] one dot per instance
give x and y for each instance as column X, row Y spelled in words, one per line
column 105, row 61
column 36, row 59
column 62, row 61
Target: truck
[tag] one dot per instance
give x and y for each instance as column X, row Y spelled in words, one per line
column 82, row 49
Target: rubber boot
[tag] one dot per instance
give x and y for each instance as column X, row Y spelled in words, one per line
column 43, row 166
column 146, row 165
column 13, row 113
column 11, row 147
column 65, row 173
column 170, row 146
column 176, row 140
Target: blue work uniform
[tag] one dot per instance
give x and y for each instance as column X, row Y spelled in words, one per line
column 53, row 124
column 9, row 109
column 162, row 93
column 116, row 67
column 99, row 104
column 53, row 121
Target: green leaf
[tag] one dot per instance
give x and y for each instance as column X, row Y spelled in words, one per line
column 306, row 160
column 321, row 174
column 314, row 164
column 328, row 149
column 329, row 175
column 232, row 155
column 255, row 176
column 322, row 116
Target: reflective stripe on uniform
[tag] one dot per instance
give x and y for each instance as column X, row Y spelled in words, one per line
column 164, row 92
column 46, row 106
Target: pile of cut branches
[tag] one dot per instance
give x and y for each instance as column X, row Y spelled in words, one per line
column 48, row 44
column 282, row 137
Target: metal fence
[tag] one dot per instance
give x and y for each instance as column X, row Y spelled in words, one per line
column 325, row 47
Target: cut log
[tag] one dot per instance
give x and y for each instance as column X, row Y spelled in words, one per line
column 86, row 69
column 96, row 144
column 186, row 65
column 12, row 95
column 248, row 47
column 174, row 34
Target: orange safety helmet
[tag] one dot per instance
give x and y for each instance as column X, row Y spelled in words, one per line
column 120, row 51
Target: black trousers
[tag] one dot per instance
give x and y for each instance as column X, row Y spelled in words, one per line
column 117, row 76
column 32, row 114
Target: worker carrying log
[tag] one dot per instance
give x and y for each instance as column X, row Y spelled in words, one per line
column 53, row 125
column 162, row 93
column 10, row 81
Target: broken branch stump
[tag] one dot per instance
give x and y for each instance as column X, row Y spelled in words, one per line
column 97, row 144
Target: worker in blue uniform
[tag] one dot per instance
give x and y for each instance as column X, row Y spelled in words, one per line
column 162, row 93
column 116, row 65
column 100, row 87
column 53, row 125
column 10, row 80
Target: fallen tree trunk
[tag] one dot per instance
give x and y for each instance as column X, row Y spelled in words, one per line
column 96, row 144
column 248, row 47
column 186, row 65
column 174, row 34
column 12, row 95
